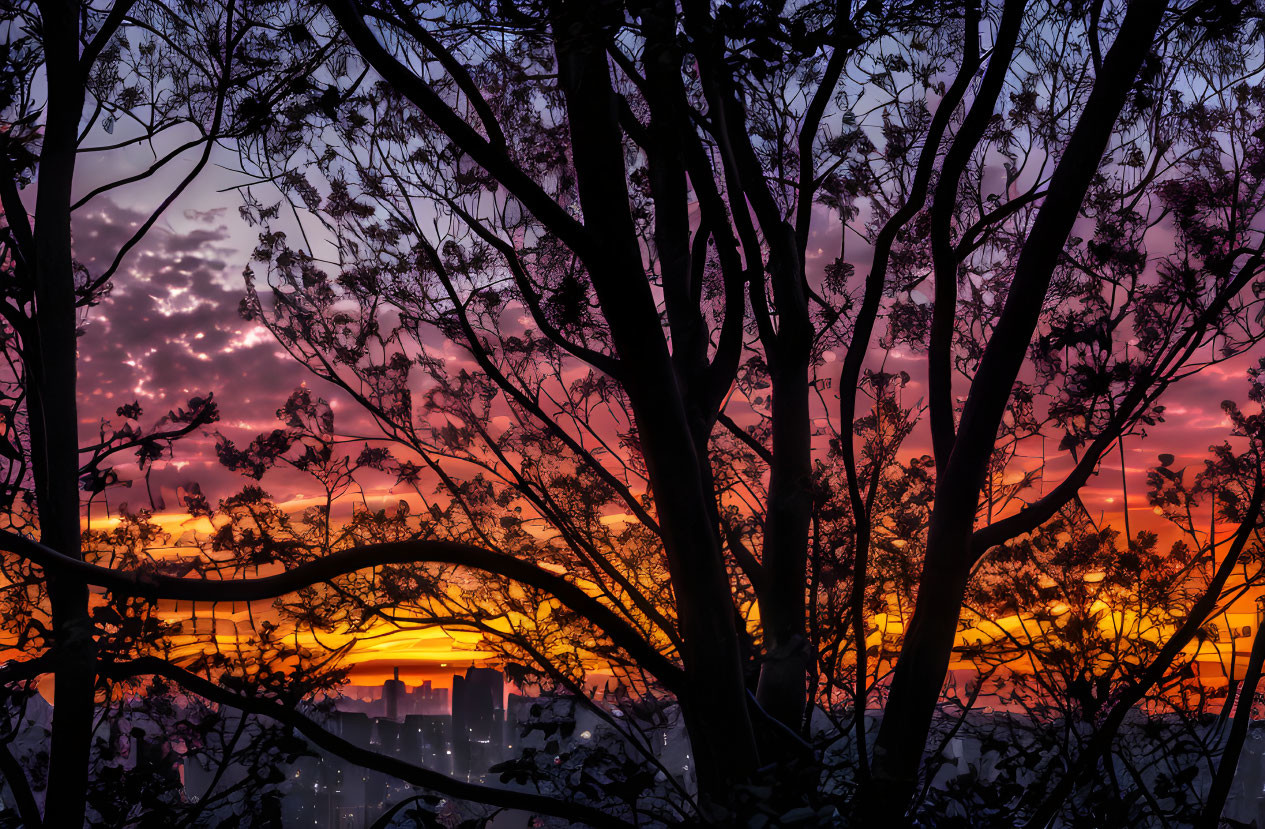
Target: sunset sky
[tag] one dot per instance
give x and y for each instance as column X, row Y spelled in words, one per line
column 171, row 329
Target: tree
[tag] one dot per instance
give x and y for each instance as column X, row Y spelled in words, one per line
column 641, row 179
column 591, row 229
column 99, row 82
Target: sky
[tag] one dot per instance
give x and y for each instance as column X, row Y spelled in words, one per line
column 170, row 329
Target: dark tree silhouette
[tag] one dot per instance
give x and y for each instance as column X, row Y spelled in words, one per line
column 641, row 180
column 563, row 257
column 99, row 82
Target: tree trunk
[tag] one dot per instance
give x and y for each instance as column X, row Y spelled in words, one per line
column 50, row 361
column 715, row 698
column 920, row 671
column 783, row 685
column 928, row 644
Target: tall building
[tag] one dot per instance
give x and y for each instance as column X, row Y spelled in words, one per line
column 393, row 691
column 424, row 740
column 482, row 703
column 426, row 700
column 478, row 720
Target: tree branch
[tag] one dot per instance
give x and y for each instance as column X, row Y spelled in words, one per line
column 1195, row 619
column 1161, row 374
column 156, row 586
column 1007, row 347
column 490, row 157
column 453, row 67
column 943, row 255
column 745, row 437
column 113, row 20
column 604, row 363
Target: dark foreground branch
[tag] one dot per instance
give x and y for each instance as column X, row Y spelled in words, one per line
column 154, row 586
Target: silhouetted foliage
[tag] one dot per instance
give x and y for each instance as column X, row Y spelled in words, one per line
column 755, row 354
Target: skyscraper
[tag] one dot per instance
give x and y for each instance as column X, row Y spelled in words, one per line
column 392, row 693
column 478, row 718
